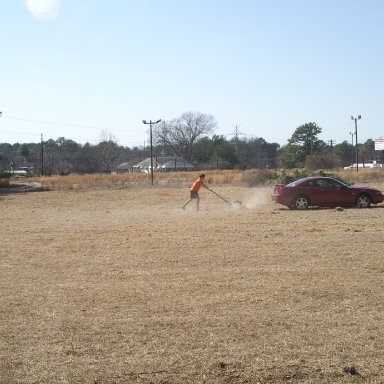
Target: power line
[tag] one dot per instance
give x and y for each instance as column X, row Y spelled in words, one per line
column 134, row 143
column 51, row 123
column 64, row 124
column 19, row 133
column 95, row 141
column 338, row 128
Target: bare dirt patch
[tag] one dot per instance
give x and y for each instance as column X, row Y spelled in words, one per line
column 122, row 286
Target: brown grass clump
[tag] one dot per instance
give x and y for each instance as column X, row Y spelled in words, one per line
column 364, row 175
column 92, row 181
column 4, row 182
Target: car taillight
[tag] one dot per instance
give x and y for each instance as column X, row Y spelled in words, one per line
column 279, row 188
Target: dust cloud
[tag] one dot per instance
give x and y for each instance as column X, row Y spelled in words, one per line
column 257, row 198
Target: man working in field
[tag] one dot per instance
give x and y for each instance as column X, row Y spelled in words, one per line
column 195, row 191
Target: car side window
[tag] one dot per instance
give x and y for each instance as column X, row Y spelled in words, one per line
column 331, row 184
column 326, row 184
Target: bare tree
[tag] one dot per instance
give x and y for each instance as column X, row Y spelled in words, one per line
column 108, row 151
column 180, row 135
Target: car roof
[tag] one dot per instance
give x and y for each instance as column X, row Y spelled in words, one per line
column 317, row 178
column 309, row 178
column 304, row 179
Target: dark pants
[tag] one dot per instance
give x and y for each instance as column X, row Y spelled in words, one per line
column 194, row 195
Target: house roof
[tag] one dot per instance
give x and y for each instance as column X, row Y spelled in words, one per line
column 179, row 164
column 126, row 165
column 165, row 162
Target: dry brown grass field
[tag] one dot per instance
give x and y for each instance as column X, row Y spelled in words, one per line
column 119, row 285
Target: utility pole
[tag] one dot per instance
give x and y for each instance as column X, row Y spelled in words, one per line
column 357, row 151
column 150, row 122
column 42, row 156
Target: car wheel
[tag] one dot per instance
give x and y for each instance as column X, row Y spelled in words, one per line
column 300, row 202
column 363, row 201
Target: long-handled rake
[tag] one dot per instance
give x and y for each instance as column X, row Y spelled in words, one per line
column 236, row 204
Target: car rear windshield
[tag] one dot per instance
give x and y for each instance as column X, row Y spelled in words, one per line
column 295, row 182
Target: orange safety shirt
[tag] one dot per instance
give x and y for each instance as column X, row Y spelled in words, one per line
column 197, row 185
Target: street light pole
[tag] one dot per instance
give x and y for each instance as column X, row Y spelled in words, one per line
column 357, row 152
column 351, row 133
column 150, row 122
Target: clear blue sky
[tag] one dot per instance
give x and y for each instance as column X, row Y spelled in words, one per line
column 78, row 68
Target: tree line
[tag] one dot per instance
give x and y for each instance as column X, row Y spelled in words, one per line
column 191, row 136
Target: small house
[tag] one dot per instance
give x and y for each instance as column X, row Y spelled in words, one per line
column 164, row 164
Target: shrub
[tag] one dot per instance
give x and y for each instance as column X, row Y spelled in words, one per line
column 5, row 174
column 254, row 177
column 282, row 177
column 4, row 178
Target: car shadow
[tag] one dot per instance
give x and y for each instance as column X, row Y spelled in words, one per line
column 338, row 208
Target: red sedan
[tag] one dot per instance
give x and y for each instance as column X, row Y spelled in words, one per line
column 324, row 192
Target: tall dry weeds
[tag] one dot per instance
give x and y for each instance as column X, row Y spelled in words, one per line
column 250, row 178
